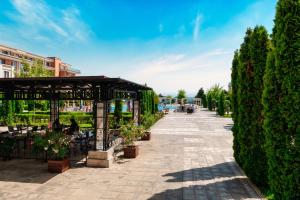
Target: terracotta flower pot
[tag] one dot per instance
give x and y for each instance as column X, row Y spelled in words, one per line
column 147, row 136
column 58, row 166
column 131, row 151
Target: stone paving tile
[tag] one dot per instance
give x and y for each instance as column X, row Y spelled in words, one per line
column 189, row 157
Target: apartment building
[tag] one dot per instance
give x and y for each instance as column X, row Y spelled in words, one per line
column 11, row 62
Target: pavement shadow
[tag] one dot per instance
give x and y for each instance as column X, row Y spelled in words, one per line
column 228, row 127
column 226, row 169
column 25, row 171
column 227, row 189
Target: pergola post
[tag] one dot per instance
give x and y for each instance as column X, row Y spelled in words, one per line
column 101, row 124
column 54, row 110
column 136, row 112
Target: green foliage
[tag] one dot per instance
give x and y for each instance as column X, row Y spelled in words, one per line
column 149, row 102
column 200, row 93
column 227, row 106
column 56, row 145
column 6, row 111
column 281, row 100
column 213, row 95
column 204, row 100
column 148, row 120
column 221, row 104
column 39, row 143
column 118, row 111
column 19, row 106
column 129, row 133
column 213, row 104
column 6, row 147
column 181, row 95
column 244, row 98
column 36, row 69
column 234, row 101
column 209, row 102
column 248, row 68
column 215, row 91
column 257, row 159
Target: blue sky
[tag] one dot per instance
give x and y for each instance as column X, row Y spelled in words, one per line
column 169, row 45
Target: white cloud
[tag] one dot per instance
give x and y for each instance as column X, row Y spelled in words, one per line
column 173, row 71
column 36, row 18
column 197, row 27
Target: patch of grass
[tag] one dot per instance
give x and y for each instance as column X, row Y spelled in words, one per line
column 227, row 115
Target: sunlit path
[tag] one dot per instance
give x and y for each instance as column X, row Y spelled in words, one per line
column 189, row 157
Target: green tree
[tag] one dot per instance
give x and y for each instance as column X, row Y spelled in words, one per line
column 281, row 100
column 257, row 158
column 7, row 112
column 181, row 95
column 200, row 93
column 209, row 102
column 247, row 88
column 36, row 69
column 204, row 100
column 221, row 104
column 245, row 100
column 118, row 110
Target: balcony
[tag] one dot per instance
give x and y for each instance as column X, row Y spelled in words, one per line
column 69, row 69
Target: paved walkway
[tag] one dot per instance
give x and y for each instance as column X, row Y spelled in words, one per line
column 189, row 157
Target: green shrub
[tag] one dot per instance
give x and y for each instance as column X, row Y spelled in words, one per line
column 221, row 105
column 209, row 102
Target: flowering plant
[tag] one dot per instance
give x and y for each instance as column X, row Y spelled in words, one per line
column 56, row 144
column 129, row 132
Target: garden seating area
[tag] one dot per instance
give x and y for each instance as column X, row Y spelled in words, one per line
column 19, row 142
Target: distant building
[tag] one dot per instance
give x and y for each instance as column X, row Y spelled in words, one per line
column 11, row 62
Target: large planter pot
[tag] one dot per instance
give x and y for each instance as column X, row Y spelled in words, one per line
column 147, row 136
column 131, row 151
column 58, row 166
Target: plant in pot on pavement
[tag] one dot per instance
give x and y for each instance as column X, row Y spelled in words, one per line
column 147, row 122
column 57, row 148
column 6, row 147
column 129, row 134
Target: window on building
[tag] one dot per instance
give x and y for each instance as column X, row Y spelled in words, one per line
column 6, row 74
column 5, row 52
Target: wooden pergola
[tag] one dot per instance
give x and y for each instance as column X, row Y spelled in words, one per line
column 100, row 89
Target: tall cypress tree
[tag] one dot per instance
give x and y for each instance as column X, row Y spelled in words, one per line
column 245, row 99
column 209, row 102
column 234, row 101
column 256, row 159
column 204, row 100
column 281, row 103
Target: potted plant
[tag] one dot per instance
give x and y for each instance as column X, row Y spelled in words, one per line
column 7, row 145
column 129, row 134
column 147, row 122
column 56, row 145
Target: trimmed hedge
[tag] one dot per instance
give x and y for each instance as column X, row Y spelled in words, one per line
column 81, row 118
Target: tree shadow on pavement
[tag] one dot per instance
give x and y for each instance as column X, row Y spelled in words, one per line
column 228, row 189
column 25, row 171
column 226, row 169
